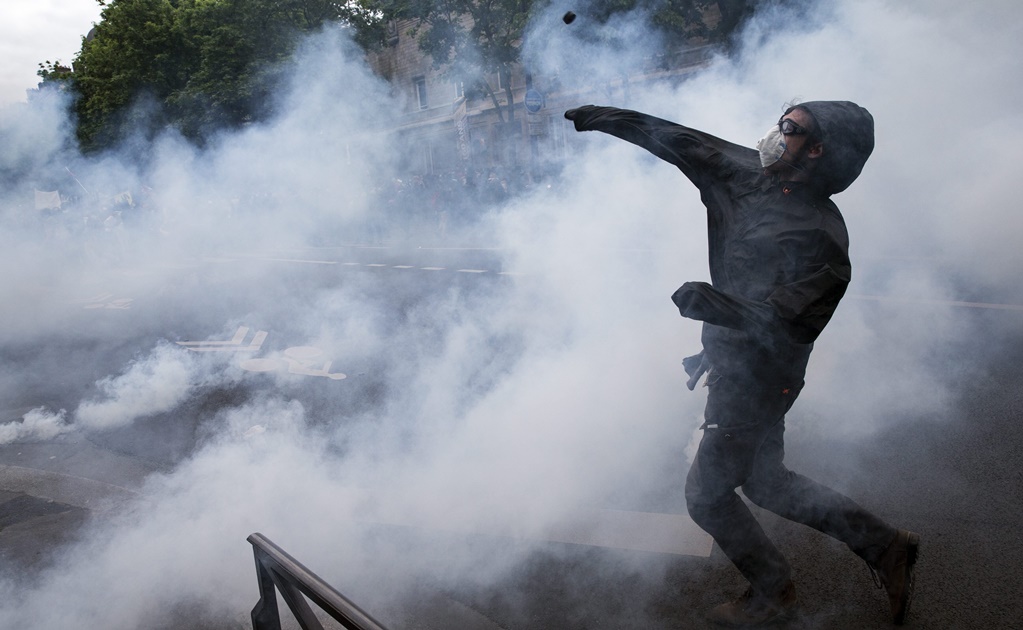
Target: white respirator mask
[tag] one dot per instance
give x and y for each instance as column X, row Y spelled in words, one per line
column 771, row 146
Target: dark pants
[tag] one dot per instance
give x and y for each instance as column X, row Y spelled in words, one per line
column 743, row 446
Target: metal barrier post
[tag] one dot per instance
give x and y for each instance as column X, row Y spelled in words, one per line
column 265, row 615
column 275, row 568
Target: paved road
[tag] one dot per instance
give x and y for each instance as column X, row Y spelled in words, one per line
column 955, row 479
column 953, row 476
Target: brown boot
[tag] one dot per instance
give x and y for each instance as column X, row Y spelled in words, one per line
column 894, row 572
column 751, row 610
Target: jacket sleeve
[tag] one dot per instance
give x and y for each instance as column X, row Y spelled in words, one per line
column 797, row 312
column 700, row 156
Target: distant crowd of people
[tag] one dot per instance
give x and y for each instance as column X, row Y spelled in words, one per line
column 96, row 223
column 427, row 207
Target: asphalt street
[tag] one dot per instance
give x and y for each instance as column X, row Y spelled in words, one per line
column 953, row 477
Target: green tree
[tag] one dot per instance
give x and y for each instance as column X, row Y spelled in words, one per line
column 55, row 74
column 238, row 52
column 196, row 65
column 133, row 53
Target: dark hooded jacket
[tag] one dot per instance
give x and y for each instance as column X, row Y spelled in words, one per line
column 779, row 251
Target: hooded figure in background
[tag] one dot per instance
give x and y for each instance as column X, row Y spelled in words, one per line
column 779, row 265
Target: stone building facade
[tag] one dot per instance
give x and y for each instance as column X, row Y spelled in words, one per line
column 443, row 129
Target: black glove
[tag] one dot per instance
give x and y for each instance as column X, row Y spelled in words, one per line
column 578, row 116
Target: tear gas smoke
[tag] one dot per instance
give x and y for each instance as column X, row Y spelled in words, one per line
column 497, row 409
column 157, row 383
column 37, row 424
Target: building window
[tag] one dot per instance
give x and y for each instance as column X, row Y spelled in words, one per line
column 420, row 83
column 459, row 89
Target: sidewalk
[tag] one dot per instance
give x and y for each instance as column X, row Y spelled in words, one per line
column 49, row 490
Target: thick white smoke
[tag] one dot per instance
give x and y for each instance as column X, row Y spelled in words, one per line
column 505, row 409
column 158, row 383
column 37, row 424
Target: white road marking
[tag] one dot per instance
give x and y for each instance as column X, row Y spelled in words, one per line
column 233, row 345
column 103, row 300
column 102, row 297
column 119, row 303
column 239, row 336
column 888, row 298
column 260, row 365
column 255, row 429
column 298, row 260
column 301, row 360
column 355, row 264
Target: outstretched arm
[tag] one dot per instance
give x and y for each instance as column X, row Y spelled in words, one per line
column 700, row 156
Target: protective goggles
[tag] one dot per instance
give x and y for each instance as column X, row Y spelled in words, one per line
column 790, row 128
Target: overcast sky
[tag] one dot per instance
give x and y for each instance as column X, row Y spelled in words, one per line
column 33, row 31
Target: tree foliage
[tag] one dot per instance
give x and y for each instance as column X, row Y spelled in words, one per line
column 201, row 66
column 132, row 52
column 196, row 65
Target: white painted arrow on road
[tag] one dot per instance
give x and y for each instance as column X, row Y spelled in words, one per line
column 232, row 345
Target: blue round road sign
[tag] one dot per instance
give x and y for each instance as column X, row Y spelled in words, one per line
column 534, row 101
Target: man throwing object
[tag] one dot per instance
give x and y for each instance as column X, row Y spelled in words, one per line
column 779, row 265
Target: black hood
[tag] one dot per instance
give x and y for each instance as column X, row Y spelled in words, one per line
column 847, row 131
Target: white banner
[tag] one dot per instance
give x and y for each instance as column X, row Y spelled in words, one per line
column 47, row 200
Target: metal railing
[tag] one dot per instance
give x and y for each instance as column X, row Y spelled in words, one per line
column 276, row 569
